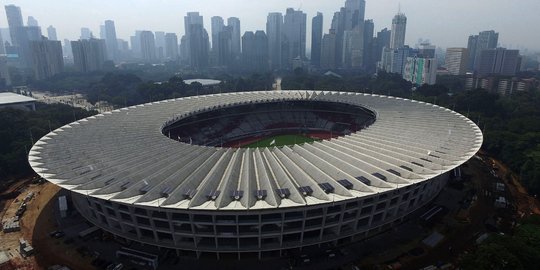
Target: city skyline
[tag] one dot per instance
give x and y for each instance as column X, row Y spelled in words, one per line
column 424, row 17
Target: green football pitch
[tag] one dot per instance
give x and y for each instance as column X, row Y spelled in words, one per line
column 280, row 141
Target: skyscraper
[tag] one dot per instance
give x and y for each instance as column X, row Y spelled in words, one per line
column 111, row 40
column 190, row 19
column 47, row 58
column 148, row 47
column 255, row 51
column 294, row 30
column 234, row 23
column 399, row 59
column 2, row 48
column 86, row 33
column 225, row 53
column 478, row 43
column 499, row 61
column 369, row 58
column 196, row 41
column 217, row 26
column 136, row 44
column 102, row 34
column 160, row 44
column 316, row 39
column 381, row 41
column 171, row 46
column 328, row 52
column 67, row 51
column 355, row 12
column 353, row 43
column 274, row 25
column 456, row 61
column 198, row 47
column 89, row 54
column 399, row 26
column 5, row 79
column 51, row 33
column 15, row 20
column 32, row 21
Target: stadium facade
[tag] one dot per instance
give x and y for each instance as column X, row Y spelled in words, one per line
column 174, row 173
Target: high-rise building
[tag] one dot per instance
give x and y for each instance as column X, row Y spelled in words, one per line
column 338, row 24
column 25, row 35
column 196, row 42
column 399, row 26
column 234, row 23
column 4, row 33
column 498, row 61
column 51, row 33
column 136, row 44
column 369, row 42
column 399, row 59
column 381, row 41
column 355, row 12
column 420, row 70
column 353, row 38
column 225, row 53
column 328, row 52
column 348, row 25
column 86, row 33
column 148, row 47
column 160, row 44
column 456, row 61
column 316, row 39
column 294, row 32
column 5, row 78
column 111, row 40
column 32, row 21
column 477, row 43
column 171, row 46
column 2, row 48
column 190, row 19
column 15, row 20
column 47, row 58
column 274, row 27
column 89, row 54
column 255, row 51
column 198, row 47
column 102, row 34
column 67, row 51
column 217, row 26
column 123, row 49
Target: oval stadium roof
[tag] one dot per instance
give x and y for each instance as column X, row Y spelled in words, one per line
column 123, row 156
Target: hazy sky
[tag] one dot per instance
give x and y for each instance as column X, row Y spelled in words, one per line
column 446, row 23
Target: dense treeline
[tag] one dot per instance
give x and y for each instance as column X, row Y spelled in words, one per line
column 126, row 89
column 22, row 128
column 518, row 251
column 511, row 125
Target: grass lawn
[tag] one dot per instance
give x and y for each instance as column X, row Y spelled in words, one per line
column 280, row 141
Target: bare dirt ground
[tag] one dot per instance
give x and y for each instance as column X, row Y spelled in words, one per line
column 53, row 251
column 10, row 241
column 525, row 203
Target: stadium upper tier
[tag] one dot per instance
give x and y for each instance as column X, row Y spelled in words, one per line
column 126, row 156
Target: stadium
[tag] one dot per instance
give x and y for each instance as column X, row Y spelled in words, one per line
column 256, row 173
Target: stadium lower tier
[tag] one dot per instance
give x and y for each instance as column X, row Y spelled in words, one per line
column 259, row 232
